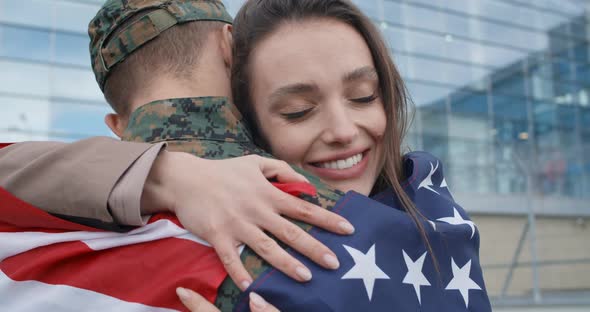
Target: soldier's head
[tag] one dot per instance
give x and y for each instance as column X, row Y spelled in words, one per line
column 147, row 50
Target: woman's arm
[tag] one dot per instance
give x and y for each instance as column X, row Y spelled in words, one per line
column 71, row 179
column 226, row 202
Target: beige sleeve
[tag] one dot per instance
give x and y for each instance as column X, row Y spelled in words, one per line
column 125, row 199
column 69, row 179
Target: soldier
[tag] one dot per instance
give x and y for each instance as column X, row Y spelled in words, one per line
column 209, row 127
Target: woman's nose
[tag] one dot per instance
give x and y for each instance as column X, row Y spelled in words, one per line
column 339, row 126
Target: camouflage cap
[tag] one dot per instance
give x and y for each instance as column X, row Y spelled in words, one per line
column 142, row 21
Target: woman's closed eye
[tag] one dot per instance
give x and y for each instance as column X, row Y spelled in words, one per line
column 297, row 114
column 365, row 99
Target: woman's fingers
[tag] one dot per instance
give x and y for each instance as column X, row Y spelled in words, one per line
column 194, row 302
column 269, row 250
column 301, row 210
column 229, row 256
column 280, row 170
column 301, row 241
column 258, row 304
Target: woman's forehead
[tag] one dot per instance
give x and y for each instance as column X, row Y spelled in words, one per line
column 318, row 48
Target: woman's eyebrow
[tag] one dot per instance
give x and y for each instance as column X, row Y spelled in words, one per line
column 292, row 89
column 366, row 72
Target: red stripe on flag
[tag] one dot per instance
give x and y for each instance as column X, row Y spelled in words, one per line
column 297, row 188
column 146, row 273
column 15, row 212
column 2, row 145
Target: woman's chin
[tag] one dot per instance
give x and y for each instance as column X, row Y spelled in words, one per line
column 361, row 187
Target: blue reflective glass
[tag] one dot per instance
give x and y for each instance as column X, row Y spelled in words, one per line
column 24, row 43
column 74, row 17
column 27, row 12
column 22, row 118
column 428, row 94
column 566, row 117
column 511, row 82
column 545, row 122
column 24, row 78
column 78, row 119
column 583, row 74
column 233, row 6
column 469, row 103
column 508, row 108
column 72, row 49
column 585, row 140
column 585, row 119
column 580, row 53
column 434, row 127
column 75, row 83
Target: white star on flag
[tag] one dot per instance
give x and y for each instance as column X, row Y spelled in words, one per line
column 364, row 268
column 433, row 224
column 461, row 280
column 415, row 276
column 456, row 219
column 444, row 183
column 427, row 182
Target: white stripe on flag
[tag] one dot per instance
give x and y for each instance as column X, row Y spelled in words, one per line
column 150, row 232
column 33, row 296
column 18, row 242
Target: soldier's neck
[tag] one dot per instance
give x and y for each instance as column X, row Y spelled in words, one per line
column 174, row 88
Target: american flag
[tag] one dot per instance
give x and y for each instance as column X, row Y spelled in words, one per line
column 385, row 265
column 49, row 264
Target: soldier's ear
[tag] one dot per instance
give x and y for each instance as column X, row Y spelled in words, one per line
column 227, row 44
column 117, row 123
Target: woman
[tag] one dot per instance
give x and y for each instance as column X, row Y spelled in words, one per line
column 316, row 83
column 321, row 73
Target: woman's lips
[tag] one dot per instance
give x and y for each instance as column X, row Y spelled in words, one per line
column 341, row 174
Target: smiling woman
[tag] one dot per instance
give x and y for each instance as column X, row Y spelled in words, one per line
column 317, row 84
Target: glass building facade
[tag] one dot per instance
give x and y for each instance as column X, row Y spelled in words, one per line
column 502, row 96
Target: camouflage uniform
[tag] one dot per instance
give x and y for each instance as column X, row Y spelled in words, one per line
column 208, row 127
column 211, row 127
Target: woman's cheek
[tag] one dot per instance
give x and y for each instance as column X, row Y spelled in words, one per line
column 378, row 125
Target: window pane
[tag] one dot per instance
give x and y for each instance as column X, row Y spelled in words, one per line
column 74, row 17
column 23, row 78
column 79, row 120
column 72, row 49
column 75, row 84
column 23, row 119
column 27, row 12
column 24, row 43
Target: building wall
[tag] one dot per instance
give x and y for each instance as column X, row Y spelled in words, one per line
column 562, row 252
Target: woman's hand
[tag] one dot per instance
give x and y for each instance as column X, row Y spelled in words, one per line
column 230, row 202
column 195, row 303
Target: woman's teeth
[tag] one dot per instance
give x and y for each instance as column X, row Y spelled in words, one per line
column 342, row 163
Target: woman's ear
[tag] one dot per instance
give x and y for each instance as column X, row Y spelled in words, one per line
column 227, row 42
column 117, row 123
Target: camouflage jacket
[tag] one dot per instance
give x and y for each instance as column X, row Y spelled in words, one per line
column 211, row 127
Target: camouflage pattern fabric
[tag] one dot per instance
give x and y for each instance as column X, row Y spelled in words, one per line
column 122, row 26
column 212, row 127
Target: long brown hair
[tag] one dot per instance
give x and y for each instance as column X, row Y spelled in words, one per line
column 257, row 19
